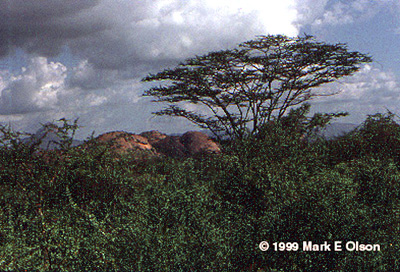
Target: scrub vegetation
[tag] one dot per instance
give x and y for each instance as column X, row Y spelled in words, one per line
column 85, row 209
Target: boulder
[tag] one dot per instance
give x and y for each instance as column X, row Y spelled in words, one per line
column 153, row 136
column 171, row 146
column 122, row 142
column 197, row 142
column 189, row 144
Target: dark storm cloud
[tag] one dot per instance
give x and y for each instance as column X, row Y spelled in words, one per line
column 44, row 26
column 43, row 9
column 114, row 34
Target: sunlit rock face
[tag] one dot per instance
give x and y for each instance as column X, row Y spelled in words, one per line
column 122, row 142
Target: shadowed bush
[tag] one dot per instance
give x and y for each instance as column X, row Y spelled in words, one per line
column 84, row 209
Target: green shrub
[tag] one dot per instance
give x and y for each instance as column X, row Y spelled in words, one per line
column 86, row 209
column 378, row 137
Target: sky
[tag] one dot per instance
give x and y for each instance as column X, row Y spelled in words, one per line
column 85, row 58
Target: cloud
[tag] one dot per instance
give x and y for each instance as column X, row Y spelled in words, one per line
column 321, row 13
column 369, row 91
column 43, row 86
column 85, row 76
column 368, row 86
column 42, row 92
column 119, row 34
column 116, row 43
column 36, row 88
column 42, row 26
column 310, row 10
column 166, row 32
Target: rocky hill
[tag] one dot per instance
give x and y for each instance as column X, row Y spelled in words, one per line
column 156, row 143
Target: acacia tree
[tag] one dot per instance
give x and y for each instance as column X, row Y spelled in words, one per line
column 243, row 88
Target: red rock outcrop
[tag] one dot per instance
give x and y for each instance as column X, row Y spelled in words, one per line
column 153, row 136
column 122, row 142
column 196, row 142
column 157, row 143
column 171, row 146
column 188, row 144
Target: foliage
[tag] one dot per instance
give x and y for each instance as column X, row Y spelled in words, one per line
column 378, row 137
column 82, row 208
column 241, row 89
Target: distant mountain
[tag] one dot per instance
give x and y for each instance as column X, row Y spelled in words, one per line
column 48, row 138
column 337, row 129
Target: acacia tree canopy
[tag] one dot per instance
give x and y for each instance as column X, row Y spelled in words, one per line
column 243, row 88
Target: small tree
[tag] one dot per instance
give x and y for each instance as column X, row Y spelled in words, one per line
column 245, row 87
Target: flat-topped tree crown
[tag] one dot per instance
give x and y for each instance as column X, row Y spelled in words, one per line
column 240, row 89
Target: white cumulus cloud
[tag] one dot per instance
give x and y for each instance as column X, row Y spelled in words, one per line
column 321, row 13
column 36, row 88
column 369, row 91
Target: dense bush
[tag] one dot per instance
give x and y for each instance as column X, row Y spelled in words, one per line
column 84, row 209
column 378, row 137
